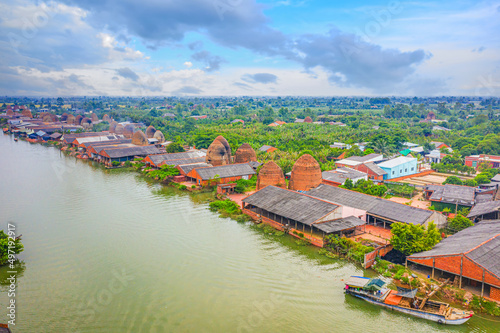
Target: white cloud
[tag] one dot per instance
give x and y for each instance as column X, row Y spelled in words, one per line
column 188, row 64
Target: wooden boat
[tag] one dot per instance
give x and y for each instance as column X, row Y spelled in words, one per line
column 405, row 301
column 4, row 328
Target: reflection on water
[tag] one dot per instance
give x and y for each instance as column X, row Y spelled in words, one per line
column 6, row 272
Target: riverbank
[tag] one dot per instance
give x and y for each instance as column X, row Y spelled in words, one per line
column 106, row 218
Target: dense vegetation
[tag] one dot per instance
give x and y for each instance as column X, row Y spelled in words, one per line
column 365, row 186
column 15, row 246
column 459, row 222
column 411, row 238
column 347, row 247
column 385, row 123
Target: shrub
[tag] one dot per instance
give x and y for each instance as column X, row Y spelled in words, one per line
column 405, row 280
column 226, row 208
column 115, row 163
column 470, row 182
column 245, row 185
column 387, row 274
column 353, row 249
column 453, row 180
column 411, row 238
column 182, row 187
column 193, row 186
column 459, row 222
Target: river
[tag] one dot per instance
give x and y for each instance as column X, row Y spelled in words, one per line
column 108, row 251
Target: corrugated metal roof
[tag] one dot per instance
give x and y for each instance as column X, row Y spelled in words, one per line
column 157, row 159
column 384, row 208
column 188, row 167
column 396, row 161
column 184, row 161
column 224, row 171
column 339, row 224
column 357, row 281
column 265, row 148
column 290, row 204
column 131, row 151
column 484, row 208
column 480, row 243
column 375, row 169
column 106, row 143
column 340, row 175
column 496, row 178
column 454, row 194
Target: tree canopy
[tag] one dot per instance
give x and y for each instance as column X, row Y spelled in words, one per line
column 17, row 247
column 412, row 238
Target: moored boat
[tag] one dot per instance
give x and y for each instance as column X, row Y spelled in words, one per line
column 405, row 301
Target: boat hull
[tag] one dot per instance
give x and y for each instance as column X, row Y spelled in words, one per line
column 419, row 314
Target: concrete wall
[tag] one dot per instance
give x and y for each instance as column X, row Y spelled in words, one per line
column 336, row 214
column 404, row 169
column 350, row 211
column 439, row 220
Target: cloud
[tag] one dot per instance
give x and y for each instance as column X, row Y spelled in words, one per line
column 243, row 85
column 352, row 61
column 187, row 90
column 127, row 73
column 479, row 49
column 349, row 60
column 188, row 64
column 264, row 78
column 212, row 62
column 194, row 46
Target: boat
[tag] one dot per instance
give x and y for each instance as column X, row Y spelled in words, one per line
column 405, row 300
column 4, row 328
column 15, row 139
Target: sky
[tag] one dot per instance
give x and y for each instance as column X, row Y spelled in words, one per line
column 249, row 48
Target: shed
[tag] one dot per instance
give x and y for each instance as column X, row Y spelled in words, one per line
column 224, row 173
column 471, row 254
column 378, row 211
column 485, row 211
column 290, row 208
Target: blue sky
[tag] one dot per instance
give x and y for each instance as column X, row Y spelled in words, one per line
column 248, row 47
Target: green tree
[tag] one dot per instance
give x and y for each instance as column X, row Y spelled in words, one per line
column 348, row 184
column 412, row 238
column 459, row 222
column 482, row 179
column 453, row 180
column 15, row 246
column 470, row 182
column 175, row 147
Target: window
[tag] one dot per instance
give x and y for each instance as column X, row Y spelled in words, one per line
column 412, row 168
column 406, row 170
column 393, row 172
column 401, row 171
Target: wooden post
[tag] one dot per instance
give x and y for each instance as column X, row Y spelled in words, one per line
column 406, row 262
column 482, row 285
column 461, row 268
column 433, row 265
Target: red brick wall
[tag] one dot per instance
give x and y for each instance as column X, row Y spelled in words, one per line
column 469, row 268
column 313, row 240
column 370, row 173
column 495, row 294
